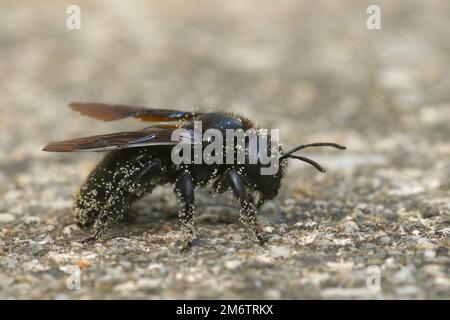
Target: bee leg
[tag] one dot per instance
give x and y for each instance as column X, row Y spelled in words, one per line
column 185, row 189
column 219, row 186
column 247, row 212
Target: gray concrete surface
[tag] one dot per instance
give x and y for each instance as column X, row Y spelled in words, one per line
column 311, row 68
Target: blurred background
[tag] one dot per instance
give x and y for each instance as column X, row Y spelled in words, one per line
column 311, row 68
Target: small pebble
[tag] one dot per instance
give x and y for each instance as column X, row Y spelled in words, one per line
column 6, row 218
column 279, row 251
column 349, row 226
column 232, row 264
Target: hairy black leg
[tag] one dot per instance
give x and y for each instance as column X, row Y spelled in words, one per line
column 219, row 185
column 147, row 171
column 248, row 212
column 185, row 189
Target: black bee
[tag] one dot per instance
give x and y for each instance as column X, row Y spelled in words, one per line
column 138, row 161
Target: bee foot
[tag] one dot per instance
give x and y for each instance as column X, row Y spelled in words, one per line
column 186, row 247
column 89, row 239
column 262, row 240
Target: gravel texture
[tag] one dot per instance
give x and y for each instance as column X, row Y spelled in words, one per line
column 311, row 68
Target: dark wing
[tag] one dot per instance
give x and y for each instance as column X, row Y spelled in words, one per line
column 114, row 141
column 111, row 112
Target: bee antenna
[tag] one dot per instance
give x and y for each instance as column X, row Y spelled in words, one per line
column 312, row 162
column 316, row 144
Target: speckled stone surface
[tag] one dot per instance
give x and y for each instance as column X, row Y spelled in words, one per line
column 310, row 68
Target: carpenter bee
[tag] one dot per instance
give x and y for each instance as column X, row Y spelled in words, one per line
column 138, row 161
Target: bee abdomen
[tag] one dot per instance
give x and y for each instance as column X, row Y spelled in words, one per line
column 118, row 180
